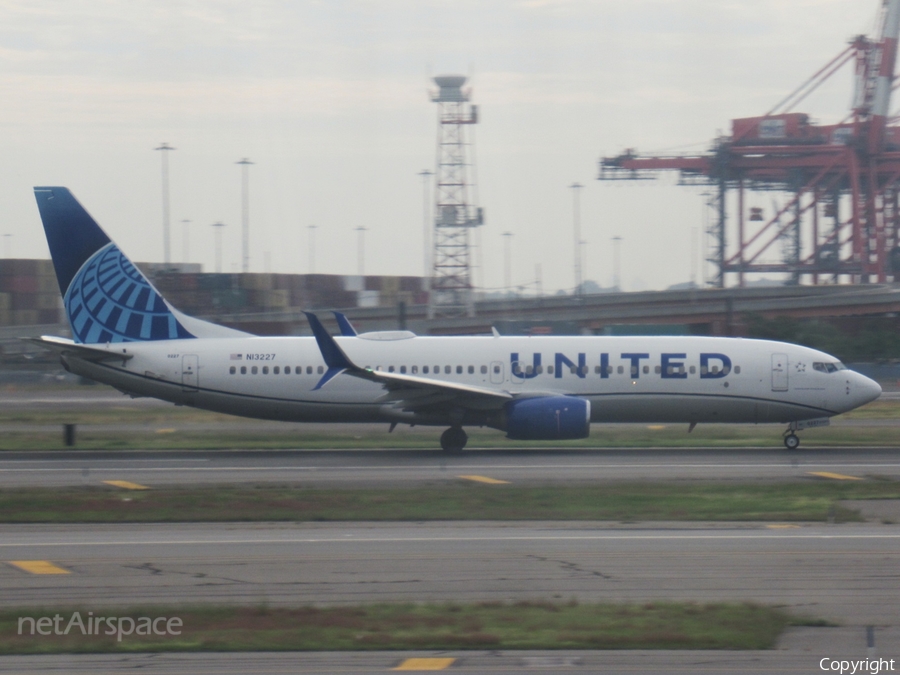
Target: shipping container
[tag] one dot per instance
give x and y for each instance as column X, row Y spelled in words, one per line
column 18, row 284
column 5, row 301
column 50, row 316
column 256, row 282
column 24, row 317
column 48, row 301
column 355, row 283
column 368, row 298
column 26, row 267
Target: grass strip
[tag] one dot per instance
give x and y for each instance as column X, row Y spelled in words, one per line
column 807, row 500
column 522, row 625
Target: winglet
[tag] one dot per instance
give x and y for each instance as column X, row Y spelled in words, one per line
column 334, row 356
column 347, row 329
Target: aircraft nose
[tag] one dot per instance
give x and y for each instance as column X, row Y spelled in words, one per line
column 867, row 389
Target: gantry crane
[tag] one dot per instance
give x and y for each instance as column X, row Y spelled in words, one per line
column 841, row 219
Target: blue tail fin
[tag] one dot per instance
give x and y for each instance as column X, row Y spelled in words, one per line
column 106, row 297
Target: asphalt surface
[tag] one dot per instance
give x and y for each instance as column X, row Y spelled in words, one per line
column 387, row 468
column 843, row 573
column 846, row 574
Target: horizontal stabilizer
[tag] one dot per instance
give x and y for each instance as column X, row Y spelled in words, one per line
column 94, row 353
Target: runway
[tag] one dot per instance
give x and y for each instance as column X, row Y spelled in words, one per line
column 385, row 468
column 843, row 573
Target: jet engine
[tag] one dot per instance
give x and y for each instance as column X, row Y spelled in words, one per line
column 548, row 418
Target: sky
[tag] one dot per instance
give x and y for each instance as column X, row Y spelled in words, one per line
column 330, row 100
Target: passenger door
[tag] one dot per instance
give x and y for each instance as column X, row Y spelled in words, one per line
column 190, row 372
column 779, row 372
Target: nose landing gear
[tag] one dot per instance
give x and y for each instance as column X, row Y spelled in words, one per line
column 791, row 440
column 454, row 439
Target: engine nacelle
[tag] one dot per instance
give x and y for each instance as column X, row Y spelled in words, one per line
column 548, row 418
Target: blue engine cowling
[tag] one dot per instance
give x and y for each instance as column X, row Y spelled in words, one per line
column 549, row 418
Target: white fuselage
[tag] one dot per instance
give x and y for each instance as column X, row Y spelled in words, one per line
column 626, row 379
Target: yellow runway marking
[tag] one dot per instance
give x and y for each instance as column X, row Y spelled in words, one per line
column 425, row 664
column 165, row 431
column 656, row 427
column 127, row 485
column 38, row 567
column 833, row 476
column 782, row 526
column 485, row 479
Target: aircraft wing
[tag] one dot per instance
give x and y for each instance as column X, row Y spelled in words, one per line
column 95, row 353
column 410, row 391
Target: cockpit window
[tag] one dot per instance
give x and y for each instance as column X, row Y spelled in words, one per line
column 829, row 367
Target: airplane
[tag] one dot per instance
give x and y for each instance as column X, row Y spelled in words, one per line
column 125, row 334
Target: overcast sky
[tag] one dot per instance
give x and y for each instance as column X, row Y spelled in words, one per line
column 330, row 100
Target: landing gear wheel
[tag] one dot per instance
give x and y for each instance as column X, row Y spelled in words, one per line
column 454, row 439
column 792, row 441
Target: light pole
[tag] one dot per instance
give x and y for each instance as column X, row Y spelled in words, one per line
column 507, row 262
column 165, row 148
column 312, row 248
column 576, row 228
column 217, row 229
column 7, row 245
column 245, row 214
column 361, row 251
column 616, row 263
column 426, row 239
column 186, row 242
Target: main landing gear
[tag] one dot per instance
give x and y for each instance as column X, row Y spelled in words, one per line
column 454, row 439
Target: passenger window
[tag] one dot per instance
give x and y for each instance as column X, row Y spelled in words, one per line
column 320, row 369
column 232, row 370
column 597, row 370
column 254, row 370
column 693, row 369
column 549, row 370
column 425, row 369
column 497, row 369
column 243, row 370
column 415, row 369
column 447, row 370
column 276, row 370
column 403, row 369
column 726, row 370
column 309, row 370
column 704, row 370
column 484, row 370
column 265, row 370
column 390, row 369
column 634, row 370
column 459, row 370
column 573, row 369
column 715, row 370
column 437, row 370
column 471, row 370
column 737, row 370
column 656, row 370
column 620, row 370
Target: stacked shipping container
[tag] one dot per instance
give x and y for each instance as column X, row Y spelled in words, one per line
column 29, row 294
